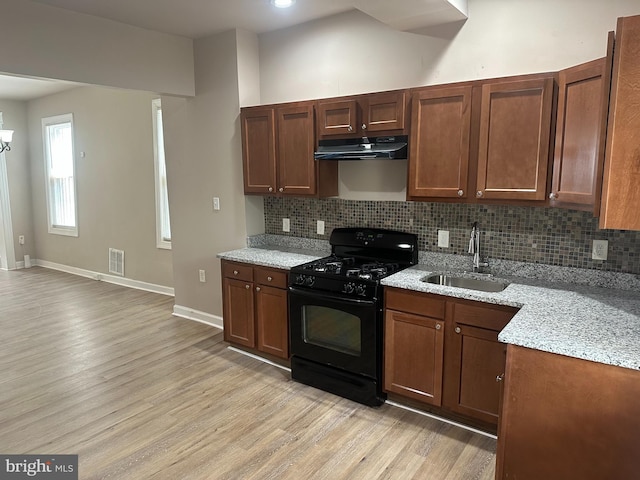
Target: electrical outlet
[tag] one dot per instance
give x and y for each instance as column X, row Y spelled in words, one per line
column 203, row 276
column 216, row 203
column 286, row 225
column 320, row 227
column 443, row 238
column 21, row 239
column 600, row 249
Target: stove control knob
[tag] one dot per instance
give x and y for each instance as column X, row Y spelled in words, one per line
column 360, row 289
column 299, row 279
column 348, row 288
column 309, row 281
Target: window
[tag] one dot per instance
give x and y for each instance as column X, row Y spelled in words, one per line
column 60, row 174
column 163, row 226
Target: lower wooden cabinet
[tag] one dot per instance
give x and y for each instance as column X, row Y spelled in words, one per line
column 255, row 308
column 413, row 356
column 445, row 352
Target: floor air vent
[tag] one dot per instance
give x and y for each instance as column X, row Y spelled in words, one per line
column 116, row 261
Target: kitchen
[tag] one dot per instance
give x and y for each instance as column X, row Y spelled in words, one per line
column 452, row 54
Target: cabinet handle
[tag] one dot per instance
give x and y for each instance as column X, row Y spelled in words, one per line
column 457, row 330
column 350, row 128
column 235, row 272
column 438, row 326
column 460, row 193
column 479, row 193
column 500, row 377
column 257, row 289
column 553, row 196
column 269, row 279
column 281, row 189
column 271, row 189
column 364, row 126
column 247, row 287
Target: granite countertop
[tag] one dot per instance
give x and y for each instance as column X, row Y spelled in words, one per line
column 576, row 320
column 591, row 323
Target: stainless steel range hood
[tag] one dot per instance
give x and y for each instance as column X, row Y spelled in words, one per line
column 365, row 148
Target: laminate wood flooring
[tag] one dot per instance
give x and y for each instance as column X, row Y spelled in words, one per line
column 106, row 372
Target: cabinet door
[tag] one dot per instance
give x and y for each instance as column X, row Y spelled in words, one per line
column 383, row 112
column 296, row 142
column 439, row 156
column 272, row 321
column 414, row 347
column 238, row 312
column 337, row 117
column 580, row 130
column 515, row 128
column 478, row 363
column 258, row 150
column 620, row 192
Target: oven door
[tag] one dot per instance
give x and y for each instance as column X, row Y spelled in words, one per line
column 334, row 330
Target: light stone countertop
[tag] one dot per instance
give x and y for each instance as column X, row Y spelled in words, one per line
column 591, row 323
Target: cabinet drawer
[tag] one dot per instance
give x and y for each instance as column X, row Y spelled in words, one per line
column 267, row 276
column 415, row 302
column 483, row 317
column 237, row 270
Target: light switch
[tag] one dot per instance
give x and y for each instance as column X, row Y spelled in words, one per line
column 286, row 225
column 443, row 238
column 216, row 203
column 320, row 227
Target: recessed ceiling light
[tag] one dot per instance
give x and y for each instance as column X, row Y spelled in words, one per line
column 282, row 3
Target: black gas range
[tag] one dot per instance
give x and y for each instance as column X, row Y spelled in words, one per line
column 335, row 311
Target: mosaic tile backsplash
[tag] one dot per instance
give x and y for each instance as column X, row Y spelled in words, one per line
column 528, row 234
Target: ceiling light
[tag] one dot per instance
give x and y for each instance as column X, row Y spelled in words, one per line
column 282, row 3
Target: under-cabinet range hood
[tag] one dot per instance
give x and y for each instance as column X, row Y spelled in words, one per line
column 364, row 148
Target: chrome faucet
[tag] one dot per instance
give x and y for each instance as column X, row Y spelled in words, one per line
column 474, row 249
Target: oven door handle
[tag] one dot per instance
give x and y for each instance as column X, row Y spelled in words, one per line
column 328, row 296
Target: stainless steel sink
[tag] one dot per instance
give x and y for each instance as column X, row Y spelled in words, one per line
column 484, row 285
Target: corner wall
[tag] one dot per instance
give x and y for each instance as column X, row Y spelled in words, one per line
column 115, row 183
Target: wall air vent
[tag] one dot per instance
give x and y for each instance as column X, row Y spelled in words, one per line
column 116, row 262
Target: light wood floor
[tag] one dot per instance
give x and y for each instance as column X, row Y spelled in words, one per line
column 108, row 373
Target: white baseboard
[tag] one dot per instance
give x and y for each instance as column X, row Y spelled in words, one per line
column 123, row 281
column 198, row 316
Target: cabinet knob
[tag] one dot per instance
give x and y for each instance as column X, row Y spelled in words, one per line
column 247, row 287
column 271, row 189
column 479, row 193
column 350, row 128
column 457, row 329
column 500, row 377
column 235, row 272
column 281, row 189
column 438, row 326
column 257, row 289
column 364, row 126
column 460, row 193
column 269, row 279
column 553, row 195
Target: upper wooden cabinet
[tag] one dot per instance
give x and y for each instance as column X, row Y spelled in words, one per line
column 583, row 97
column 515, row 130
column 439, row 147
column 620, row 192
column 482, row 140
column 277, row 149
column 358, row 116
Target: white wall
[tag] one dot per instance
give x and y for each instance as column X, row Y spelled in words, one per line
column 14, row 115
column 352, row 53
column 115, row 183
column 43, row 41
column 202, row 145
